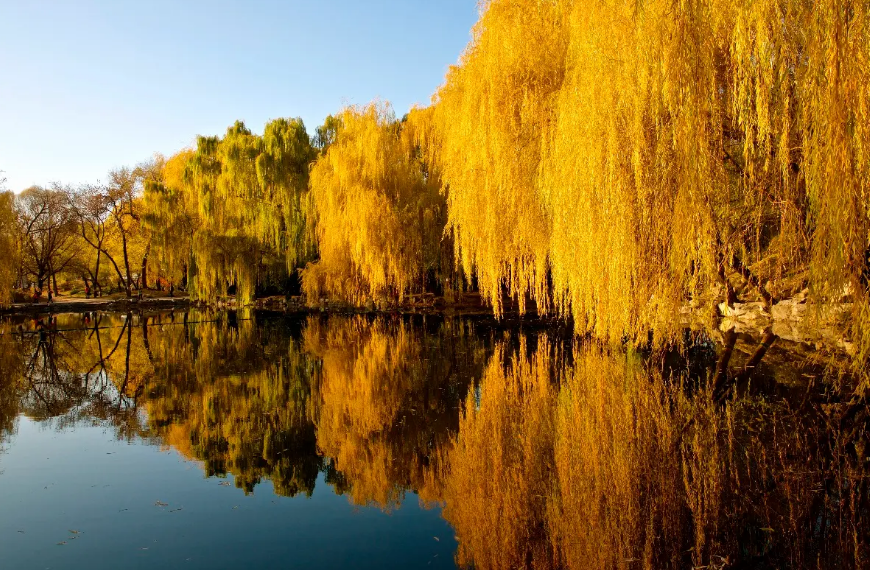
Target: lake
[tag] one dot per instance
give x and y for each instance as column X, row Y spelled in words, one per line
column 202, row 439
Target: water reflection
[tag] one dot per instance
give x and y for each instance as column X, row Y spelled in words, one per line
column 542, row 454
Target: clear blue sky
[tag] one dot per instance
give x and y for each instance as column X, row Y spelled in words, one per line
column 87, row 86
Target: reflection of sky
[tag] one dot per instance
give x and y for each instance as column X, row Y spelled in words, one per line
column 54, row 482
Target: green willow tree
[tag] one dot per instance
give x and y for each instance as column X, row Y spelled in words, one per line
column 282, row 171
column 237, row 206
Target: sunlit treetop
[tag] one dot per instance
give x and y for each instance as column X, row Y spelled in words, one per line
column 372, row 197
column 243, row 198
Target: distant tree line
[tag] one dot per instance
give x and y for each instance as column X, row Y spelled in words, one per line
column 90, row 238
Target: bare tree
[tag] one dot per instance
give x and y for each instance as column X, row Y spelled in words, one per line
column 124, row 185
column 47, row 230
column 93, row 213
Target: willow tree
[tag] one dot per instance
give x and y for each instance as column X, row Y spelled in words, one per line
column 225, row 177
column 489, row 117
column 8, row 246
column 250, row 197
column 715, row 143
column 282, row 171
column 172, row 215
column 377, row 211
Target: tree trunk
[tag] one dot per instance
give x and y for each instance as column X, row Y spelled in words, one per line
column 117, row 269
column 753, row 280
column 720, row 379
column 129, row 278
column 123, row 390
column 730, row 295
column 143, row 274
column 749, row 368
column 144, row 320
column 97, row 292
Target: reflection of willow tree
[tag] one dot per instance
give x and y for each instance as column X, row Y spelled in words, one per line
column 376, row 398
column 233, row 394
column 244, row 398
column 223, row 391
column 606, row 464
column 385, row 401
column 591, row 459
column 501, row 458
column 11, row 386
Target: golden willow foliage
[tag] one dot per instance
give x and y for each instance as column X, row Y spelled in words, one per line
column 604, row 462
column 488, row 122
column 9, row 251
column 385, row 396
column 238, row 205
column 378, row 215
column 615, row 179
column 172, row 215
column 366, row 376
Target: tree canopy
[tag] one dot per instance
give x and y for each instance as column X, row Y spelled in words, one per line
column 611, row 162
column 377, row 211
column 614, row 180
column 232, row 211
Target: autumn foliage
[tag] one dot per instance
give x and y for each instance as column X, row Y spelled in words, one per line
column 615, row 180
column 717, row 151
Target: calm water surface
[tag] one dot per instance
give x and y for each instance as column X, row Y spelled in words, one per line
column 226, row 440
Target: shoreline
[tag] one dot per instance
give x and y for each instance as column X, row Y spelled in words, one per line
column 98, row 304
column 792, row 321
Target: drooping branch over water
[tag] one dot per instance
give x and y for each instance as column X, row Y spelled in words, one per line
column 615, row 180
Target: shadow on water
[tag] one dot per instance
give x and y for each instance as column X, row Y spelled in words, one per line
column 541, row 453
